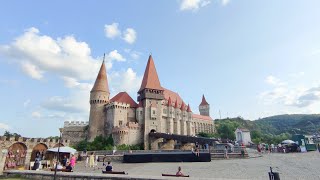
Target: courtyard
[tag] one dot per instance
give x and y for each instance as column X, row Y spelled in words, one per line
column 290, row 166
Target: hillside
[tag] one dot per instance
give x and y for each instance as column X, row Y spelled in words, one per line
column 275, row 125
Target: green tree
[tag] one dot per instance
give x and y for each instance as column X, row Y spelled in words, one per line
column 226, row 131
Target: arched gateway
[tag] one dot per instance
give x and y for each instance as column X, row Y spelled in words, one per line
column 17, row 152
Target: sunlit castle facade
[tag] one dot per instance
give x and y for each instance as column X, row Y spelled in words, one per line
column 158, row 109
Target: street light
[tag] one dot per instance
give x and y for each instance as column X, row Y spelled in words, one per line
column 58, row 159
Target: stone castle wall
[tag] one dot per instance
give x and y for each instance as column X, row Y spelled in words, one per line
column 75, row 131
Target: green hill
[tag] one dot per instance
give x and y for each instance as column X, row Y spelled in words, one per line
column 271, row 129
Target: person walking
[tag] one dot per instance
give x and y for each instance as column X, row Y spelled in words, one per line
column 91, row 160
column 226, row 152
column 319, row 147
column 73, row 161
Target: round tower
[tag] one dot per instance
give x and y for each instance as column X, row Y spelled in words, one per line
column 99, row 96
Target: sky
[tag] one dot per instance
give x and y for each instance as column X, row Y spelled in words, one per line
column 249, row 58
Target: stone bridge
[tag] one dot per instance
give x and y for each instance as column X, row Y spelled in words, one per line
column 17, row 152
column 168, row 141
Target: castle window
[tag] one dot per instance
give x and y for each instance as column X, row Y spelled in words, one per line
column 120, row 123
column 153, row 112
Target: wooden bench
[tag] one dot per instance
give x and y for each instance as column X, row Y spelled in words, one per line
column 114, row 172
column 173, row 175
column 62, row 170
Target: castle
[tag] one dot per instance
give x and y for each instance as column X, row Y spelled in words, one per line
column 129, row 122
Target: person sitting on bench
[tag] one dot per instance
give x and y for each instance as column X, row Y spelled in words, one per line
column 179, row 173
column 59, row 166
column 68, row 167
column 109, row 166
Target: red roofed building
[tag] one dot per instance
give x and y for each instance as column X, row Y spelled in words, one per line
column 157, row 109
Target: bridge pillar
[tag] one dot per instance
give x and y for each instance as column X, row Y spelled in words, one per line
column 168, row 145
column 187, row 146
column 28, row 158
column 3, row 159
column 154, row 143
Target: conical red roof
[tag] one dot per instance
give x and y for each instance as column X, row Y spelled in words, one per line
column 101, row 83
column 169, row 102
column 189, row 109
column 176, row 104
column 204, row 101
column 182, row 106
column 150, row 78
column 124, row 98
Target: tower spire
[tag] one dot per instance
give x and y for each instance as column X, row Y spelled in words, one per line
column 101, row 83
column 150, row 78
column 204, row 101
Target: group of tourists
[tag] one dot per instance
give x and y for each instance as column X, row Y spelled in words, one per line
column 67, row 164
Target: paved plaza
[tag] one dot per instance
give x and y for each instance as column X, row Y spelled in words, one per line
column 290, row 166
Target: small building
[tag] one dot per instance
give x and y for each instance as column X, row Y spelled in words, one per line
column 243, row 136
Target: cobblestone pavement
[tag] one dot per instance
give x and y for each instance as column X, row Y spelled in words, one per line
column 291, row 166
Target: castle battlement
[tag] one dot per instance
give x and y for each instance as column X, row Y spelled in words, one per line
column 30, row 140
column 120, row 130
column 75, row 123
column 118, row 104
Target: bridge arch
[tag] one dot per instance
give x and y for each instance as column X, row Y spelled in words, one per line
column 39, row 149
column 153, row 131
column 16, row 156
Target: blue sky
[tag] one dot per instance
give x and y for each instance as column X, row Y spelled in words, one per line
column 250, row 58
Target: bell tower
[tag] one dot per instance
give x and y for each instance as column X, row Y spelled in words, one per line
column 204, row 107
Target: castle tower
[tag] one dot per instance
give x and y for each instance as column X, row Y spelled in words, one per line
column 204, row 107
column 151, row 95
column 99, row 96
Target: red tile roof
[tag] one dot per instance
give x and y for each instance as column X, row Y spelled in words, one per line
column 204, row 101
column 197, row 116
column 101, row 83
column 150, row 78
column 176, row 104
column 124, row 98
column 173, row 95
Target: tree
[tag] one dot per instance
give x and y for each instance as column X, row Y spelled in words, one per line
column 8, row 134
column 226, row 131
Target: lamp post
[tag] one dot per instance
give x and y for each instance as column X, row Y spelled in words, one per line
column 58, row 159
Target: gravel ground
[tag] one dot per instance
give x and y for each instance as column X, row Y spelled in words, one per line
column 290, row 166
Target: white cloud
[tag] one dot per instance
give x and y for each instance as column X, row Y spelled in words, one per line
column 274, row 81
column 125, row 81
column 294, row 96
column 225, row 2
column 130, row 35
column 78, row 103
column 112, row 31
column 32, row 70
column 73, row 83
column 193, row 5
column 4, row 126
column 39, row 54
column 26, row 103
column 114, row 55
column 36, row 114
column 133, row 54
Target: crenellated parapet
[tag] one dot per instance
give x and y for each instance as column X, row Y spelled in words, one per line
column 117, row 105
column 75, row 123
column 120, row 130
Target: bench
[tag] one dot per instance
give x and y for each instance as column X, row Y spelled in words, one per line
column 173, row 175
column 114, row 172
column 62, row 170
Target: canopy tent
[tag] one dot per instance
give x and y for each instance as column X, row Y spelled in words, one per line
column 288, row 142
column 64, row 149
